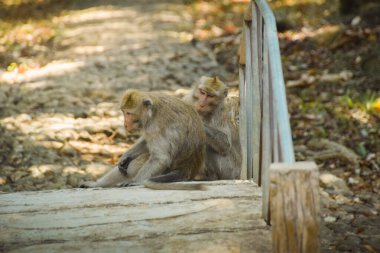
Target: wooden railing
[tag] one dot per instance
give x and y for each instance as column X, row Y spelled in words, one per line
column 290, row 190
column 264, row 122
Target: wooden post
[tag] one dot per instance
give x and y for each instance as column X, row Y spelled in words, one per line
column 256, row 32
column 294, row 207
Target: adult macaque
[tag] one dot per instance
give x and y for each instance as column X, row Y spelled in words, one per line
column 223, row 152
column 171, row 147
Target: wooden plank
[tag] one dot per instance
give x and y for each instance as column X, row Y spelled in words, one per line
column 266, row 131
column 295, row 210
column 256, row 96
column 242, row 50
column 249, row 102
column 225, row 218
column 273, row 118
column 285, row 136
column 243, row 121
column 260, row 79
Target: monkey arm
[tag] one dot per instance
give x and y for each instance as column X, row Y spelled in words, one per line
column 137, row 149
column 217, row 140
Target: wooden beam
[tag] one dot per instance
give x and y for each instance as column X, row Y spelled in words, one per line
column 225, row 218
column 266, row 152
column 243, row 123
column 294, row 207
column 249, row 93
column 241, row 53
column 256, row 33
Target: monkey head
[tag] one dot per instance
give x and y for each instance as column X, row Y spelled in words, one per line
column 137, row 109
column 209, row 93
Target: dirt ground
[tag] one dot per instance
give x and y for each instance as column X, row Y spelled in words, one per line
column 60, row 123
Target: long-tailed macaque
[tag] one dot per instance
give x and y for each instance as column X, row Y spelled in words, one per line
column 223, row 152
column 171, row 148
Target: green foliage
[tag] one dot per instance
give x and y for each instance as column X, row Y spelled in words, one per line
column 366, row 101
column 361, row 150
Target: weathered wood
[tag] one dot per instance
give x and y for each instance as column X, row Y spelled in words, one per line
column 241, row 53
column 259, row 26
column 248, row 99
column 294, row 207
column 285, row 137
column 243, row 123
column 265, row 143
column 225, row 218
column 273, row 122
column 255, row 141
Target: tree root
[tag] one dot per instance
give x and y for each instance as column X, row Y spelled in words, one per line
column 322, row 149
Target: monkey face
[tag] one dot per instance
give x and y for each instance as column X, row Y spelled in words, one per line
column 137, row 108
column 205, row 101
column 131, row 121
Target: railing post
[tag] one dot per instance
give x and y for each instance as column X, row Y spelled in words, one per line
column 295, row 207
column 243, row 107
column 266, row 149
column 256, row 33
column 248, row 91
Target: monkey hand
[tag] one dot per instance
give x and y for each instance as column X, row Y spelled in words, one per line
column 123, row 164
column 88, row 184
column 129, row 184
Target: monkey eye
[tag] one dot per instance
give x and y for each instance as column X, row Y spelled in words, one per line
column 210, row 96
column 128, row 113
column 203, row 92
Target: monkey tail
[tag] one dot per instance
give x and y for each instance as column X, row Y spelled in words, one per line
column 174, row 186
column 165, row 182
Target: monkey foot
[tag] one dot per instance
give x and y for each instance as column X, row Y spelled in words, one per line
column 129, row 184
column 87, row 184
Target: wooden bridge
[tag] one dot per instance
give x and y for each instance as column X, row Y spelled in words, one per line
column 231, row 216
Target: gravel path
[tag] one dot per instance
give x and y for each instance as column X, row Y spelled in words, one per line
column 60, row 124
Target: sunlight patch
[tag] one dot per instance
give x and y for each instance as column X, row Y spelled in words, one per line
column 55, row 68
column 93, row 14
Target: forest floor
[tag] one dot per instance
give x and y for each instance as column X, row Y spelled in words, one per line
column 64, row 65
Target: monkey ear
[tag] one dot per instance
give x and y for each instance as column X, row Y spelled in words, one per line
column 148, row 104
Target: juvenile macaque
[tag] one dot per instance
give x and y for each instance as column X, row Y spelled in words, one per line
column 171, row 147
column 223, row 152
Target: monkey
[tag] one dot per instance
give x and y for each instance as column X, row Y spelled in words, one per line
column 223, row 150
column 171, row 148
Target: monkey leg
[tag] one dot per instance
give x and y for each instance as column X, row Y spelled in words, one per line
column 111, row 178
column 133, row 168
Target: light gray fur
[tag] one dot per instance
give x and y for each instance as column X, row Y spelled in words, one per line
column 173, row 138
column 223, row 150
